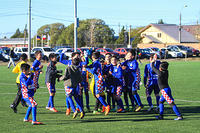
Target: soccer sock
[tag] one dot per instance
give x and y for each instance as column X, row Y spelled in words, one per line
column 67, row 103
column 157, row 100
column 28, row 113
column 108, row 98
column 137, row 98
column 71, row 103
column 161, row 106
column 126, row 100
column 97, row 105
column 78, row 103
column 102, row 100
column 149, row 100
column 51, row 101
column 87, row 98
column 176, row 111
column 121, row 103
column 113, row 102
column 34, row 112
column 132, row 99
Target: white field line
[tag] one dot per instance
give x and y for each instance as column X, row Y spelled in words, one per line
column 180, row 100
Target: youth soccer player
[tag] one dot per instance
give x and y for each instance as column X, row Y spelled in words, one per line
column 164, row 89
column 96, row 69
column 37, row 68
column 116, row 72
column 50, row 80
column 18, row 98
column 73, row 78
column 134, row 76
column 108, row 80
column 27, row 88
column 151, row 84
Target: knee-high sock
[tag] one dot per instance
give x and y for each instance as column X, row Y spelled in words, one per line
column 149, row 100
column 161, row 106
column 138, row 100
column 28, row 113
column 108, row 98
column 67, row 103
column 49, row 102
column 78, row 103
column 157, row 100
column 52, row 101
column 120, row 103
column 113, row 102
column 126, row 99
column 102, row 100
column 132, row 99
column 176, row 111
column 71, row 103
column 34, row 112
column 87, row 98
column 80, row 97
column 97, row 105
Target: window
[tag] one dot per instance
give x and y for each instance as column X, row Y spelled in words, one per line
column 122, row 50
column 159, row 35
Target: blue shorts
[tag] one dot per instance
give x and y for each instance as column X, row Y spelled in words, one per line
column 166, row 95
column 30, row 101
column 151, row 88
column 117, row 90
column 51, row 88
column 69, row 91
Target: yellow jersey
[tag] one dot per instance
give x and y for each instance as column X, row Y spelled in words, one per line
column 17, row 69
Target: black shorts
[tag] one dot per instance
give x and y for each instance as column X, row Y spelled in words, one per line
column 151, row 88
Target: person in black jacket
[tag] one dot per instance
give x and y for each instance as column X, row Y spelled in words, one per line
column 164, row 89
column 11, row 56
column 50, row 80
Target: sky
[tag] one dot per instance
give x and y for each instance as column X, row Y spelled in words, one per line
column 115, row 13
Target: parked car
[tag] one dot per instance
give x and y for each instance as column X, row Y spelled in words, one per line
column 172, row 53
column 144, row 53
column 46, row 51
column 58, row 47
column 4, row 54
column 154, row 50
column 194, row 51
column 21, row 50
column 184, row 50
column 122, row 51
column 68, row 52
column 104, row 51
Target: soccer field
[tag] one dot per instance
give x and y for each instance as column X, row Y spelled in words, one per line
column 184, row 80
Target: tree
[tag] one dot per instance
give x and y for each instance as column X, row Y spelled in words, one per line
column 121, row 38
column 160, row 21
column 135, row 34
column 17, row 34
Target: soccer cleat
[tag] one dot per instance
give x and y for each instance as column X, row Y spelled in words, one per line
column 48, row 108
column 150, row 108
column 96, row 112
column 103, row 110
column 75, row 114
column 82, row 115
column 29, row 120
column 78, row 109
column 37, row 123
column 160, row 117
column 127, row 109
column 107, row 110
column 178, row 118
column 120, row 110
column 53, row 110
column 13, row 108
column 138, row 108
column 68, row 111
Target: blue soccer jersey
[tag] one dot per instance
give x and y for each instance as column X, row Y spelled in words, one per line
column 35, row 68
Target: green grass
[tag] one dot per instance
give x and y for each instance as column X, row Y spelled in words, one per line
column 184, row 82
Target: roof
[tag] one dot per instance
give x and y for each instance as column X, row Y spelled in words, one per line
column 13, row 41
column 153, row 39
column 173, row 31
column 193, row 29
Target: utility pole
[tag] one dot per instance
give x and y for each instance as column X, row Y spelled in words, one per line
column 119, row 28
column 29, row 31
column 180, row 28
column 129, row 40
column 75, row 25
